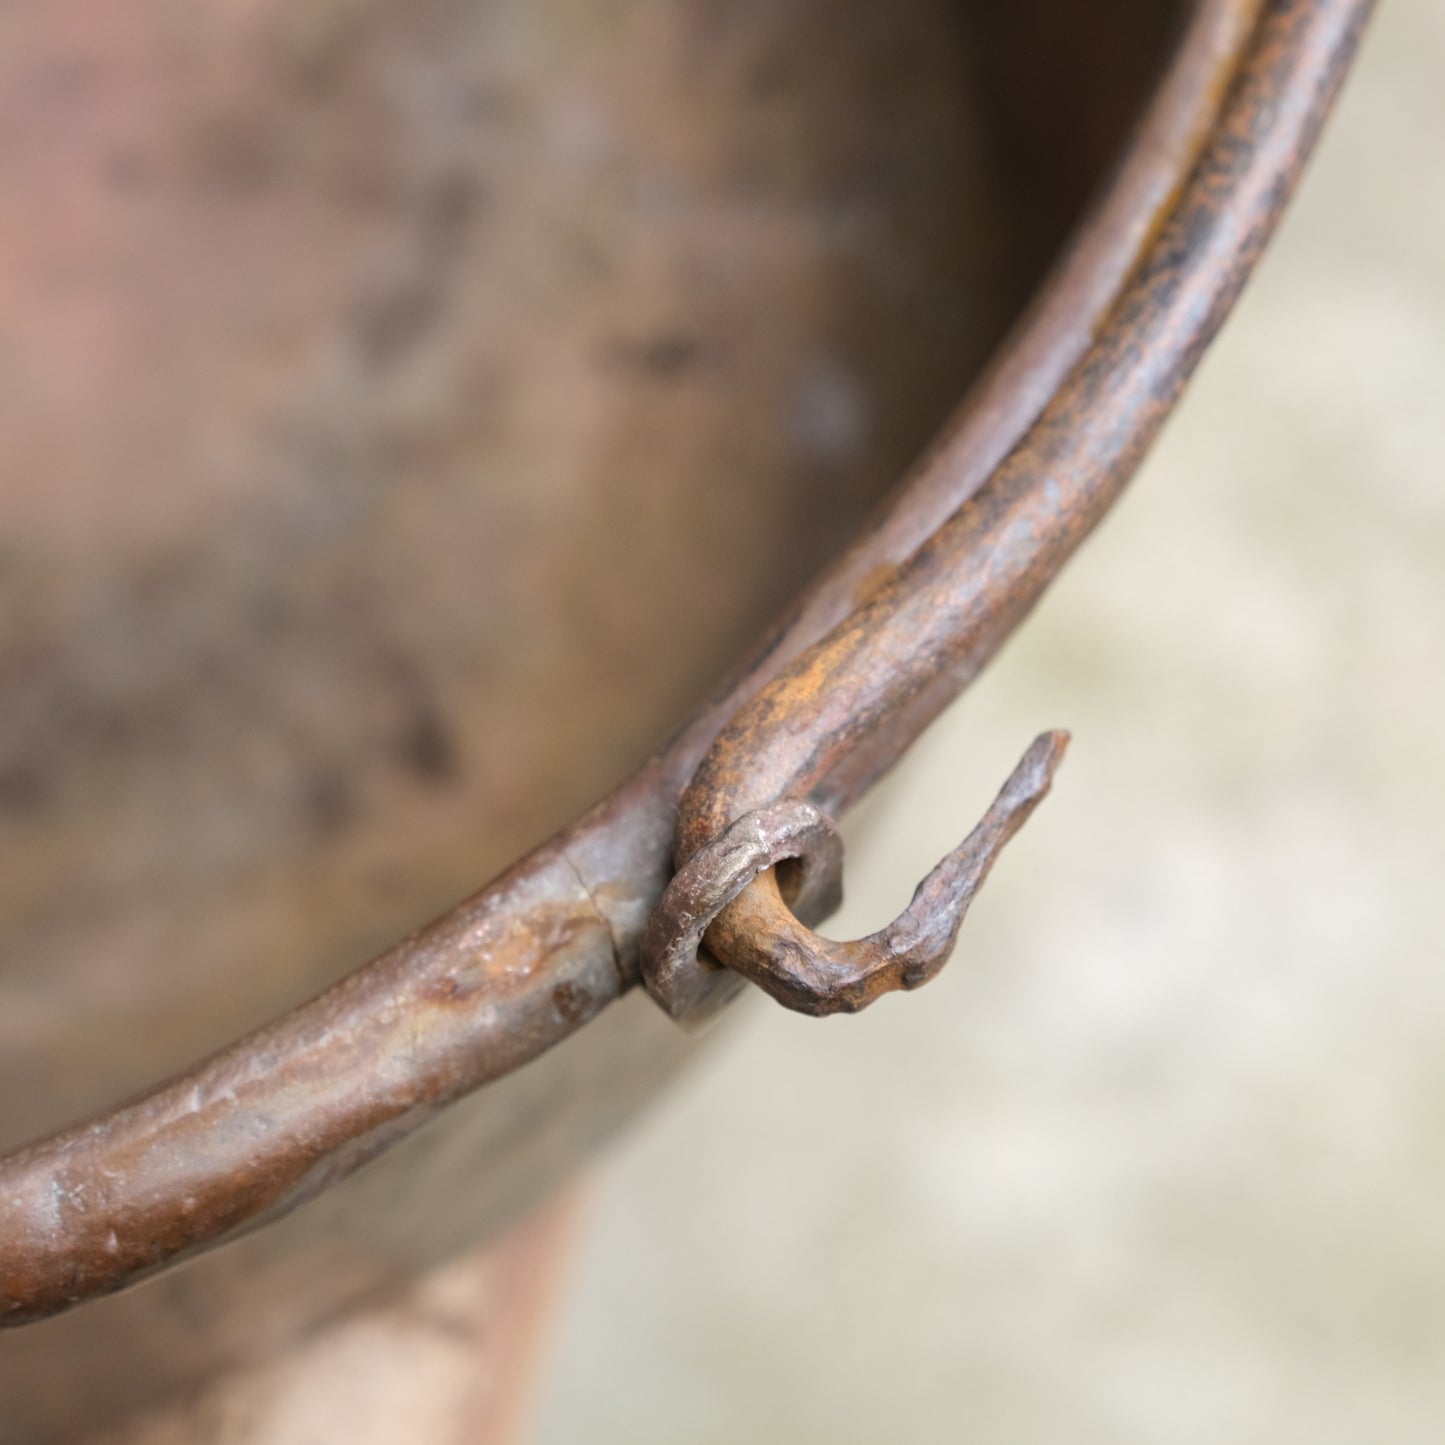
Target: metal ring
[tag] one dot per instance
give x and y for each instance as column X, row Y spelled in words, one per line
column 757, row 936
column 689, row 985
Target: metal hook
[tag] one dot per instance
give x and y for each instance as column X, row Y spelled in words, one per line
column 767, row 941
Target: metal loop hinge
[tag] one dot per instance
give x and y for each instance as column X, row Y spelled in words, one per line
column 799, row 968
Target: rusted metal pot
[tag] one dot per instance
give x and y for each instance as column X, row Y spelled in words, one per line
column 407, row 411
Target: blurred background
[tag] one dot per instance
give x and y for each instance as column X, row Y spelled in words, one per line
column 1161, row 1156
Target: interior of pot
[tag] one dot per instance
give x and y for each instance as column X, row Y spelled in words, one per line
column 407, row 411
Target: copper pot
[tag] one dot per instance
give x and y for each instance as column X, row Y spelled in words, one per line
column 408, row 412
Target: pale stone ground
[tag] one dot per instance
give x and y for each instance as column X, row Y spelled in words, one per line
column 1162, row 1157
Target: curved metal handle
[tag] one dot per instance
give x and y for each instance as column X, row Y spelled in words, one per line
column 298, row 1105
column 844, row 711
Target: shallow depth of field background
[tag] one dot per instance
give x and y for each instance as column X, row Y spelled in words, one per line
column 1161, row 1157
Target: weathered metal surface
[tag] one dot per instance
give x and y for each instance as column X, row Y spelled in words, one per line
column 844, row 710
column 345, row 348
column 893, row 630
column 823, row 977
